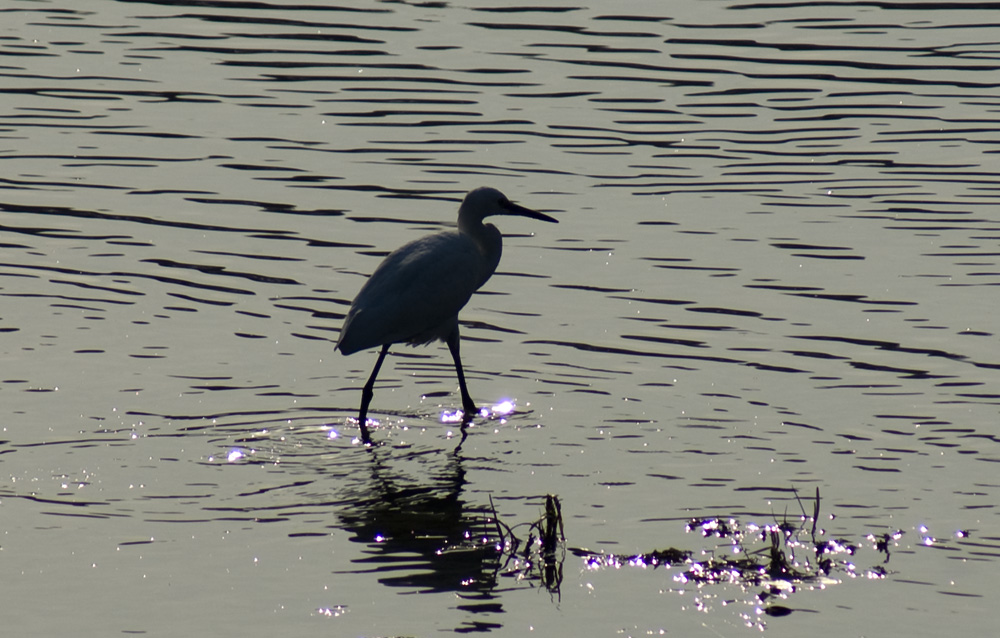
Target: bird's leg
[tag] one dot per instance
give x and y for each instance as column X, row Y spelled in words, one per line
column 468, row 405
column 366, row 396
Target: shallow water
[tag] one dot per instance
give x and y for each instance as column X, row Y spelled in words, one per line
column 774, row 272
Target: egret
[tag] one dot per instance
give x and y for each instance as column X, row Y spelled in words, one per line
column 415, row 294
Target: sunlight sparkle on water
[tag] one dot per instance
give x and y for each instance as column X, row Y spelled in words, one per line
column 504, row 407
column 234, row 455
column 332, row 612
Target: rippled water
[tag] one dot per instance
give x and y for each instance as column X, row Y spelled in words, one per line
column 775, row 271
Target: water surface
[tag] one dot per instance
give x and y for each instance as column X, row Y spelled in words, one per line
column 775, row 272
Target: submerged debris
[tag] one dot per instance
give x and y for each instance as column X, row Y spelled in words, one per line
column 771, row 561
column 767, row 564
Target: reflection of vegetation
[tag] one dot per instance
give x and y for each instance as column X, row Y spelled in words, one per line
column 775, row 560
column 542, row 554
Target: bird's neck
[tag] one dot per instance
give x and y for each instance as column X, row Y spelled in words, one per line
column 488, row 240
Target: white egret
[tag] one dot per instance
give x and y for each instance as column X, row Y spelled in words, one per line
column 415, row 294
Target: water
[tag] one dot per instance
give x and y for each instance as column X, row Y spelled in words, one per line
column 774, row 272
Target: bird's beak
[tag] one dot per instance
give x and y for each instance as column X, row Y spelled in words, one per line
column 510, row 208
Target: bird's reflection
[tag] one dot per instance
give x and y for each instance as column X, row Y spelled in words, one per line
column 423, row 535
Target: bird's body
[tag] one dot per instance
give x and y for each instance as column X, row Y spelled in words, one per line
column 416, row 293
column 403, row 301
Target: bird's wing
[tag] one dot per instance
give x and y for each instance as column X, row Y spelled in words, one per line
column 415, row 293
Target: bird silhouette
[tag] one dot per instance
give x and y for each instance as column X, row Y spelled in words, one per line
column 415, row 294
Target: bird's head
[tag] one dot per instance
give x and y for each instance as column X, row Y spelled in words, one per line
column 486, row 201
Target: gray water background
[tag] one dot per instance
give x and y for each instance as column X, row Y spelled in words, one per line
column 775, row 270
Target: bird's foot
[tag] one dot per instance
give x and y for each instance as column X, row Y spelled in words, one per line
column 363, row 433
column 470, row 412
